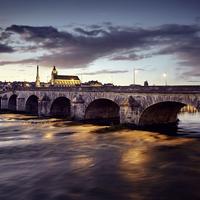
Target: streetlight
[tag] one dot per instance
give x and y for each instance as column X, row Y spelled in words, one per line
column 135, row 71
column 165, row 78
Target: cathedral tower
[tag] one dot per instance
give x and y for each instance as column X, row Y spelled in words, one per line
column 37, row 82
column 54, row 73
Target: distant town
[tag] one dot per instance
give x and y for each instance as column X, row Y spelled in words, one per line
column 55, row 81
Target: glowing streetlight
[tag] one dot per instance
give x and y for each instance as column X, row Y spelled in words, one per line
column 165, row 78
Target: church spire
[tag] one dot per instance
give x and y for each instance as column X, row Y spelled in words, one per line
column 37, row 82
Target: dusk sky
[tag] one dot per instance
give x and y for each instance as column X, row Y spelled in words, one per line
column 101, row 40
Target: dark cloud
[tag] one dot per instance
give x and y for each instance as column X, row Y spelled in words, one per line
column 4, row 35
column 61, row 60
column 83, row 45
column 44, row 37
column 6, row 49
column 131, row 56
column 35, row 32
column 104, row 71
column 94, row 32
column 25, row 61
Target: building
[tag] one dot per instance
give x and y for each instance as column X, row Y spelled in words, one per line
column 146, row 83
column 92, row 84
column 108, row 85
column 63, row 80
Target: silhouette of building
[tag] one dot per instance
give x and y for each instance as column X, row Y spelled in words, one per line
column 146, row 83
column 92, row 84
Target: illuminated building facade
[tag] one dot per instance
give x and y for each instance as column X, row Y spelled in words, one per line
column 63, row 80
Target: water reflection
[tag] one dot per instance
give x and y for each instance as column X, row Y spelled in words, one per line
column 48, row 135
column 81, row 162
column 133, row 165
column 51, row 159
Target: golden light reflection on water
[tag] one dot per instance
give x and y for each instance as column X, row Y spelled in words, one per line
column 134, row 163
column 134, row 156
column 81, row 162
column 149, row 138
column 139, row 136
column 84, row 133
column 49, row 135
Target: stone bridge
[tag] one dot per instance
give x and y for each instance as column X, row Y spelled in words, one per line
column 138, row 105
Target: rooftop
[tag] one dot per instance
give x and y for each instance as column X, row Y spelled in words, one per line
column 66, row 77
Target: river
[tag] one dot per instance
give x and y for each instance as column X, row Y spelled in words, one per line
column 49, row 159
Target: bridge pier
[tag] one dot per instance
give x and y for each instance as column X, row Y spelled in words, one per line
column 4, row 103
column 44, row 107
column 77, row 111
column 20, row 104
column 128, row 115
column 78, row 108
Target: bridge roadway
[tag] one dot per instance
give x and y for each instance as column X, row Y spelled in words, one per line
column 118, row 104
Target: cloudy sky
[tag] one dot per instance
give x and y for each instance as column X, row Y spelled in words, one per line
column 101, row 40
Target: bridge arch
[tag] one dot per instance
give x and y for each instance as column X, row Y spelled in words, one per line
column 161, row 113
column 103, row 110
column 61, row 107
column 31, row 106
column 12, row 103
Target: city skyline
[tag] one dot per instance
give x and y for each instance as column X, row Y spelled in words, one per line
column 102, row 40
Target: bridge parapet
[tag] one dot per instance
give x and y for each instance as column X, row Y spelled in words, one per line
column 182, row 89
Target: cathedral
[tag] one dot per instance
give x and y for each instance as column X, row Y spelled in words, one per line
column 63, row 80
column 59, row 80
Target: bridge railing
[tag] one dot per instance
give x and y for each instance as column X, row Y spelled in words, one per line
column 194, row 89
